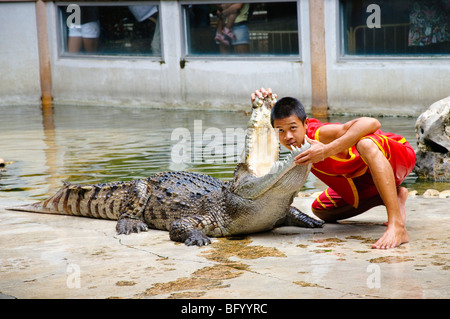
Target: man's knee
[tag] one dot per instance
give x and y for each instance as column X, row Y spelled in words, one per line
column 367, row 147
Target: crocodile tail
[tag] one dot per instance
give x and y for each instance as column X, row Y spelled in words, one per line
column 79, row 200
column 33, row 208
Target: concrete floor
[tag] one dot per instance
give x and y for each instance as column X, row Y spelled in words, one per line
column 49, row 256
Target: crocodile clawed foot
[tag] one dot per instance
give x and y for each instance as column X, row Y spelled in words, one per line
column 197, row 238
column 297, row 218
column 185, row 230
column 127, row 226
column 191, row 237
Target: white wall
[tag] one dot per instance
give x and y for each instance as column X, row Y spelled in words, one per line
column 393, row 87
column 202, row 84
column 19, row 60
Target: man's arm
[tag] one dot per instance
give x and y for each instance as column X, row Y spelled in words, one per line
column 232, row 8
column 346, row 135
column 336, row 138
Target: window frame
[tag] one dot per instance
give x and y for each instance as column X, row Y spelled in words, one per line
column 342, row 56
column 61, row 33
column 233, row 57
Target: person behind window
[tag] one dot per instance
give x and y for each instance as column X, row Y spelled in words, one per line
column 87, row 34
column 241, row 41
column 430, row 22
column 224, row 29
column 142, row 13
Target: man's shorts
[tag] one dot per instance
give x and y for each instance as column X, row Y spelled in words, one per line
column 402, row 159
column 90, row 30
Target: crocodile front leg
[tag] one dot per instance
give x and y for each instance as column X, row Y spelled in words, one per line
column 131, row 219
column 191, row 230
column 296, row 218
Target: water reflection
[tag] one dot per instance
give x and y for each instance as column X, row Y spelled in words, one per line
column 50, row 149
column 88, row 144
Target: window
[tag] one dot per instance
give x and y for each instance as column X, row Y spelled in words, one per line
column 105, row 29
column 258, row 29
column 402, row 27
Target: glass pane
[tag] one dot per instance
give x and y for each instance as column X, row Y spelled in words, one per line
column 111, row 30
column 269, row 28
column 402, row 27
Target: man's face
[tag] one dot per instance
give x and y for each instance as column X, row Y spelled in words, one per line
column 291, row 131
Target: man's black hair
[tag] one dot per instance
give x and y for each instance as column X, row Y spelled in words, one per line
column 286, row 107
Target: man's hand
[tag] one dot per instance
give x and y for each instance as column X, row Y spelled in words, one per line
column 262, row 93
column 316, row 153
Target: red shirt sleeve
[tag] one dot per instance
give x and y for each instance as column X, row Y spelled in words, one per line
column 313, row 126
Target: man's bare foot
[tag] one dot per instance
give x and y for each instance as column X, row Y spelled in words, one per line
column 402, row 196
column 394, row 236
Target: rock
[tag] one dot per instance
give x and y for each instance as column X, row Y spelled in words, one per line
column 431, row 193
column 413, row 193
column 433, row 142
column 444, row 194
column 316, row 194
column 302, row 194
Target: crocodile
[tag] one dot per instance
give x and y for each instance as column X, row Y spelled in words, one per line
column 194, row 207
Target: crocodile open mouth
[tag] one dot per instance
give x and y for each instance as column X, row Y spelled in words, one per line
column 262, row 144
column 261, row 168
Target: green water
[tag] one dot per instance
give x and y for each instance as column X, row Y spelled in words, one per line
column 89, row 144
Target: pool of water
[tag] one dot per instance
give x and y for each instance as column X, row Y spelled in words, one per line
column 90, row 144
